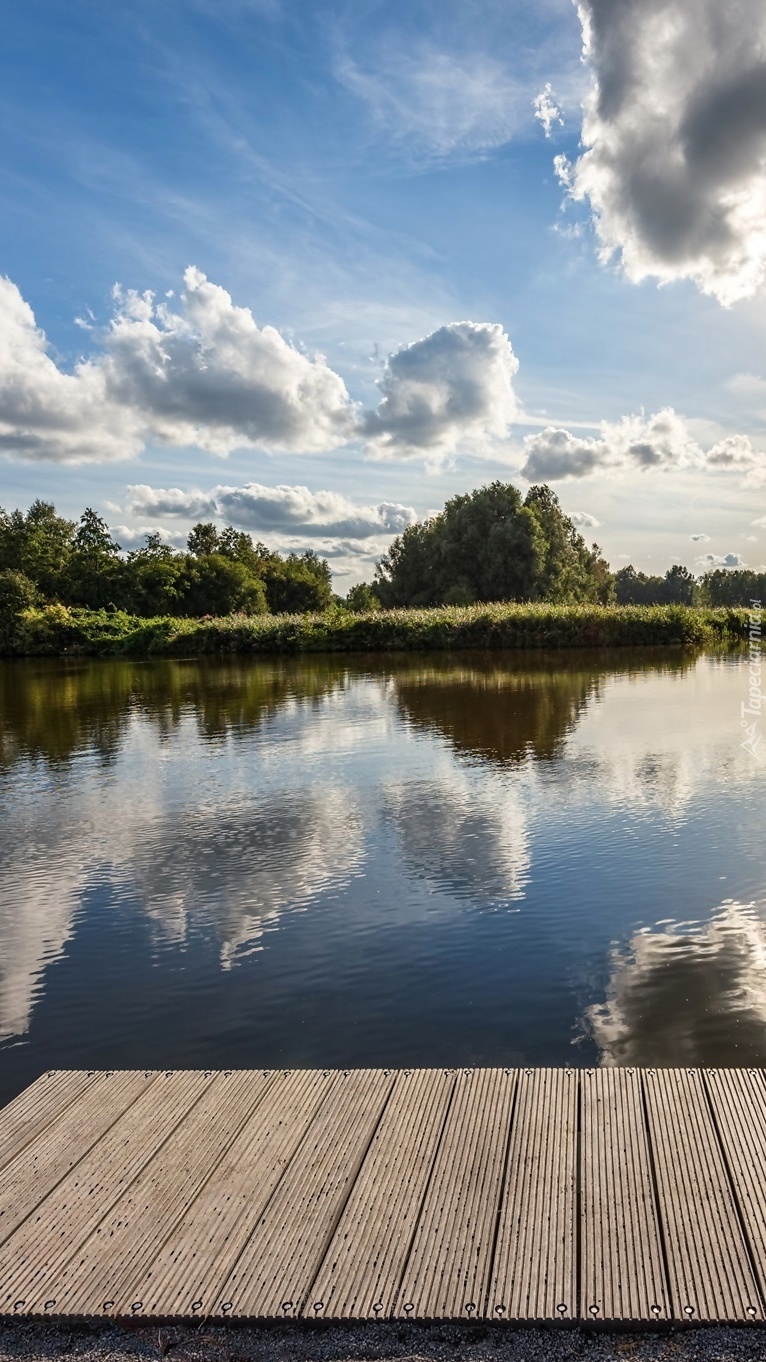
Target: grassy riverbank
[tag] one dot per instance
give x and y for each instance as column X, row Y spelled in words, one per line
column 56, row 631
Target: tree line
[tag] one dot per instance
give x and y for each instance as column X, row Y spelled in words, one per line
column 45, row 558
column 491, row 544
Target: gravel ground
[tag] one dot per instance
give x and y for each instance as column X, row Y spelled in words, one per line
column 371, row 1343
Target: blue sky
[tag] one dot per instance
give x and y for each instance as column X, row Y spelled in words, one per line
column 372, row 183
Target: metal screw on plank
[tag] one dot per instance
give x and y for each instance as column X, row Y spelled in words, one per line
column 227, row 1306
column 593, row 1309
column 287, row 1306
column 561, row 1308
column 136, row 1306
column 196, row 1305
column 19, row 1305
column 49, row 1304
column 499, row 1309
column 108, row 1305
column 470, row 1308
column 656, row 1309
column 409, row 1307
column 751, row 1310
column 377, row 1307
column 689, row 1310
column 318, row 1307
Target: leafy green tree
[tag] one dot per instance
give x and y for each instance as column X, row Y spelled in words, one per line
column 727, row 586
column 39, row 544
column 567, row 571
column 152, row 578
column 362, row 598
column 212, row 584
column 680, row 586
column 299, row 583
column 203, row 539
column 407, row 574
column 602, row 577
column 677, row 587
column 95, row 572
column 490, row 545
column 17, row 594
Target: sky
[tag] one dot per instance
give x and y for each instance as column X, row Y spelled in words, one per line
column 311, row 269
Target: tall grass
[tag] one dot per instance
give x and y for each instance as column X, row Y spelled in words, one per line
column 58, row 631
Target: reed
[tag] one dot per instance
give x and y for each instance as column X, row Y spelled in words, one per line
column 57, row 631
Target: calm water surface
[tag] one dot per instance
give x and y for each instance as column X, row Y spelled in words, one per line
column 462, row 859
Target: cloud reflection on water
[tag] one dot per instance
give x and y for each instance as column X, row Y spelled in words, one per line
column 234, row 869
column 466, row 840
column 687, row 995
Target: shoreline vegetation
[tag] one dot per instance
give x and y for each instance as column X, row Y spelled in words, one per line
column 492, row 570
column 61, row 631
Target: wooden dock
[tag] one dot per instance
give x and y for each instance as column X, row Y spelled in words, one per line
column 515, row 1195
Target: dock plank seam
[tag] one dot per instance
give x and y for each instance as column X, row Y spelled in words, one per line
column 734, row 1193
column 344, row 1200
column 92, row 1074
column 223, row 1151
column 519, row 1195
column 76, row 1247
column 396, row 1295
column 321, row 1100
column 672, row 1305
column 499, row 1207
column 68, row 1172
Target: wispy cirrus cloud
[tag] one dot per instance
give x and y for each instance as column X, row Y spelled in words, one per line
column 436, row 102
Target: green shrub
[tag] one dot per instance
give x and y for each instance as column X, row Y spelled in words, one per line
column 56, row 630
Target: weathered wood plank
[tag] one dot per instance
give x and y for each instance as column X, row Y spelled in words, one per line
column 188, row 1274
column 362, row 1270
column 274, row 1272
column 738, row 1099
column 32, row 1175
column 448, row 1269
column 622, row 1272
column 35, row 1257
column 101, row 1273
column 37, row 1107
column 377, row 1193
column 708, row 1268
column 534, row 1273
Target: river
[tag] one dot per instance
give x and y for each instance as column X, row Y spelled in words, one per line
column 458, row 859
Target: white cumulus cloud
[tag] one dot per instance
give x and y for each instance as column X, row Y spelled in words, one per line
column 699, row 538
column 721, row 560
column 47, row 414
column 674, row 131
column 454, row 386
column 204, row 374
column 660, row 442
column 198, row 371
column 546, row 109
column 583, row 520
column 279, row 510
